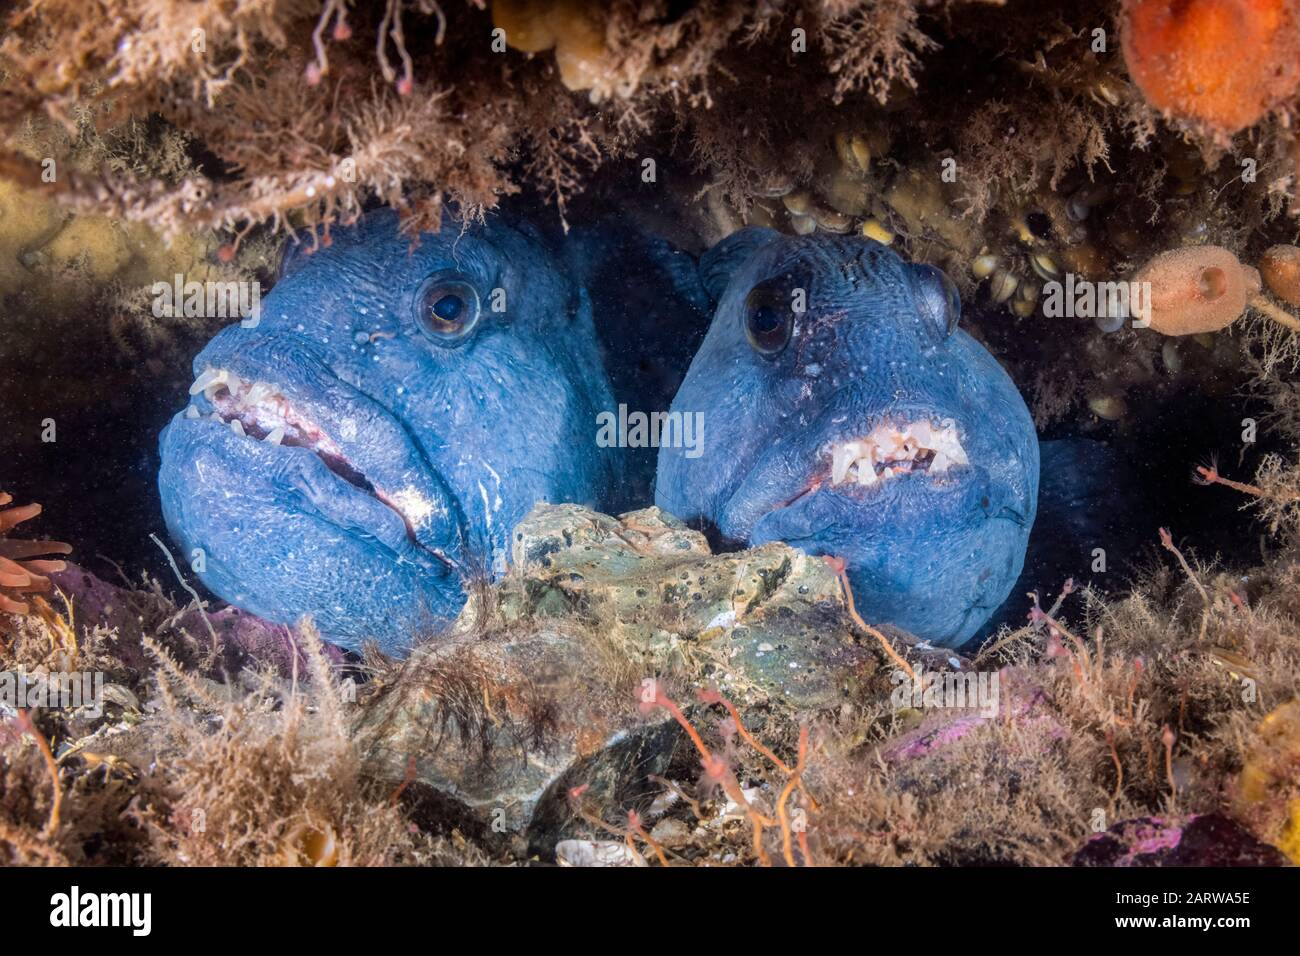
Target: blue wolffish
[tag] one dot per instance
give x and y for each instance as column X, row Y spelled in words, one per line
column 366, row 448
column 848, row 415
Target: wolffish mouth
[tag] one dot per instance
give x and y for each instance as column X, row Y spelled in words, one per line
column 259, row 411
column 893, row 449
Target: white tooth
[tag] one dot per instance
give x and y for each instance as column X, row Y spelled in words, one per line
column 948, row 446
column 220, row 380
column 954, row 451
column 204, row 379
column 257, row 392
column 940, row 463
column 237, row 426
column 191, row 413
column 841, row 459
column 866, row 472
column 922, row 434
column 208, row 377
column 277, row 434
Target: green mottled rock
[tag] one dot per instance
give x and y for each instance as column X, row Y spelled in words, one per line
column 535, row 691
column 769, row 619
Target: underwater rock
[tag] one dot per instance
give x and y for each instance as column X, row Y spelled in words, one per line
column 244, row 637
column 1210, row 839
column 61, row 263
column 771, row 618
column 534, row 693
column 1109, row 407
column 501, row 726
column 1020, row 699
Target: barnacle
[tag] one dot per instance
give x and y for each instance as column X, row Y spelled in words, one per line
column 1222, row 64
column 23, row 569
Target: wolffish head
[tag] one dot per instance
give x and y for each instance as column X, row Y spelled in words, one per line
column 847, row 414
column 369, row 443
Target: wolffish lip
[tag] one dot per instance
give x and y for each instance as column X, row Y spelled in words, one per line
column 260, row 411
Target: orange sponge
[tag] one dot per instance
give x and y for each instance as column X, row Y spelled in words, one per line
column 1221, row 64
column 1197, row 289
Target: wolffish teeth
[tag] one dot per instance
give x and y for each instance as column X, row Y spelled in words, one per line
column 898, row 449
column 252, row 408
column 948, row 446
column 191, row 413
column 843, row 456
column 210, row 378
column 851, row 454
column 923, row 433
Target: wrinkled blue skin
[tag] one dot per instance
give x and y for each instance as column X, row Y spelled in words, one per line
column 480, row 430
column 934, row 555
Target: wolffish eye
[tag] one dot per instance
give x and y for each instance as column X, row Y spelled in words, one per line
column 769, row 314
column 447, row 309
column 937, row 299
